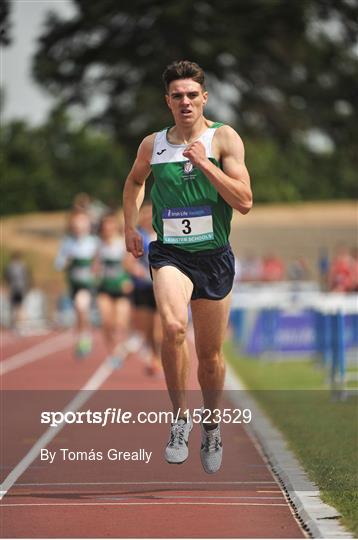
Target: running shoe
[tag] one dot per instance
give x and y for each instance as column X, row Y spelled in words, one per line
column 84, row 346
column 177, row 450
column 211, row 451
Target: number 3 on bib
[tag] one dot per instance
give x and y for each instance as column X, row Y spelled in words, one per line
column 187, row 225
column 187, row 229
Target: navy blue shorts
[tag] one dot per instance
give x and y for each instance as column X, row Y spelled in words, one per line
column 211, row 272
column 143, row 297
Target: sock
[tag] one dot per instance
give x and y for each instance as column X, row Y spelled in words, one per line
column 210, row 427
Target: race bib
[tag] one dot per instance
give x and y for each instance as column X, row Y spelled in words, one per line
column 187, row 225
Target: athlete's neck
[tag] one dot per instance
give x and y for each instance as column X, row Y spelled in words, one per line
column 182, row 134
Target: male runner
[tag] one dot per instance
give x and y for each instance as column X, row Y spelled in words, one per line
column 145, row 316
column 199, row 177
column 76, row 257
column 114, row 286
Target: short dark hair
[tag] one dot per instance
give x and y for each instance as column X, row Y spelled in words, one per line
column 111, row 214
column 183, row 69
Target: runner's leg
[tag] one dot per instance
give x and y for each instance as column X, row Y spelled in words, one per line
column 210, row 320
column 115, row 319
column 82, row 303
column 121, row 317
column 146, row 323
column 173, row 291
column 105, row 307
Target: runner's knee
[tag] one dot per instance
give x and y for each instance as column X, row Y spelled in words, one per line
column 211, row 361
column 174, row 330
column 82, row 300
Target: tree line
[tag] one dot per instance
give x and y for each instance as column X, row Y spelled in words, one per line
column 282, row 73
column 43, row 167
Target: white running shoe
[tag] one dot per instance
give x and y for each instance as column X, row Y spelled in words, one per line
column 211, row 451
column 177, row 449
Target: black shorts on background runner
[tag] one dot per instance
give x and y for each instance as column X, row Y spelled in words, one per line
column 73, row 289
column 211, row 272
column 143, row 297
column 16, row 298
column 114, row 295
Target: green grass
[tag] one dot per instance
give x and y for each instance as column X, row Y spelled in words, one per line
column 321, row 432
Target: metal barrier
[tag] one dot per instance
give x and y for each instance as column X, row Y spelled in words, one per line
column 273, row 322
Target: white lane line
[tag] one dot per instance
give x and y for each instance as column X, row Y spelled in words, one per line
column 157, row 482
column 7, row 339
column 159, row 503
column 49, row 346
column 179, row 497
column 92, row 385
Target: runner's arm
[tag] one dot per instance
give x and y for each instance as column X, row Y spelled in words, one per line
column 62, row 258
column 133, row 195
column 233, row 182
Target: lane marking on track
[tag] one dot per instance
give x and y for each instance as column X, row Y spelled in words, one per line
column 49, row 346
column 179, row 497
column 157, row 503
column 7, row 339
column 157, row 482
column 92, row 385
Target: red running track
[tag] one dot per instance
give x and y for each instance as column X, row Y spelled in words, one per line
column 120, row 499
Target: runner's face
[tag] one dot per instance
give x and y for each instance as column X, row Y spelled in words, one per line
column 186, row 99
column 109, row 227
column 80, row 225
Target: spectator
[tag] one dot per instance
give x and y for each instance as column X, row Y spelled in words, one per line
column 342, row 272
column 18, row 278
column 323, row 268
column 273, row 268
column 355, row 270
column 251, row 268
column 298, row 270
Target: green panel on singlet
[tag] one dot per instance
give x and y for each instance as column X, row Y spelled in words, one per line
column 175, row 188
column 114, row 277
column 80, row 272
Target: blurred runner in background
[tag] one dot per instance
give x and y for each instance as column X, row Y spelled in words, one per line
column 18, row 278
column 76, row 256
column 114, row 287
column 95, row 209
column 145, row 317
